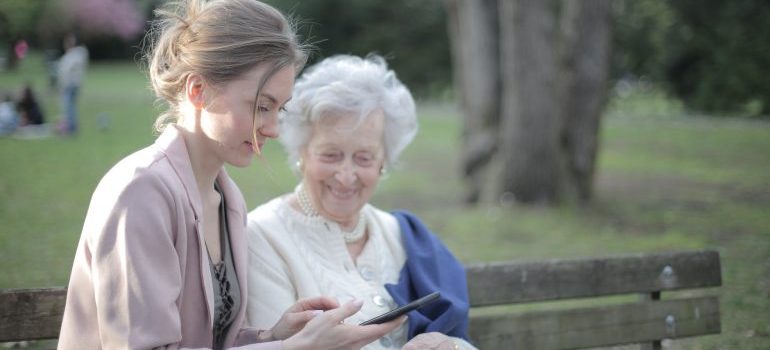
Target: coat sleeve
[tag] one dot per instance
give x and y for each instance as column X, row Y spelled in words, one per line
column 136, row 271
column 135, row 266
column 270, row 290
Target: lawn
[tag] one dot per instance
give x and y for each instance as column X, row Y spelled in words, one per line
column 666, row 181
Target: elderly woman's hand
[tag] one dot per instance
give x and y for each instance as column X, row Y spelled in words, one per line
column 431, row 341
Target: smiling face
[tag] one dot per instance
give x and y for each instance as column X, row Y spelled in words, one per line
column 341, row 164
column 227, row 117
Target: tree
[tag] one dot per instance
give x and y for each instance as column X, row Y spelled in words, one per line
column 586, row 41
column 476, row 56
column 17, row 22
column 723, row 64
column 712, row 55
column 533, row 170
column 411, row 35
column 120, row 18
column 553, row 90
column 44, row 23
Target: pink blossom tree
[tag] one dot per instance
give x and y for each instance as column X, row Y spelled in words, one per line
column 112, row 17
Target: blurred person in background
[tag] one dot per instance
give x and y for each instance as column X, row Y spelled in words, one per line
column 71, row 71
column 348, row 121
column 9, row 119
column 20, row 49
column 162, row 258
column 29, row 108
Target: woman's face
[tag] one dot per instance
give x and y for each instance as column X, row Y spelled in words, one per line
column 341, row 164
column 228, row 114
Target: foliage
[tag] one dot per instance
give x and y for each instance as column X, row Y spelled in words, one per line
column 412, row 35
column 712, row 55
column 641, row 28
column 109, row 27
column 118, row 18
column 17, row 17
column 725, row 54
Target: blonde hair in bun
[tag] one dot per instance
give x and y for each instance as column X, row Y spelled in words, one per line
column 218, row 40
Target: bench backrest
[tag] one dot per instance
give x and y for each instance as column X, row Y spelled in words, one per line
column 28, row 314
column 649, row 319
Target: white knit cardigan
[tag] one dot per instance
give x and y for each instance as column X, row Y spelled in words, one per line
column 292, row 256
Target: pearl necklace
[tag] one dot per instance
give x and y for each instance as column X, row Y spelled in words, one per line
column 304, row 202
column 307, row 208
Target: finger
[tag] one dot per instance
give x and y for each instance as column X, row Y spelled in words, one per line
column 316, row 303
column 293, row 322
column 348, row 309
column 305, row 316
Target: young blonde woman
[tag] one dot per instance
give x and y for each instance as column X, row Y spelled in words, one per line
column 162, row 258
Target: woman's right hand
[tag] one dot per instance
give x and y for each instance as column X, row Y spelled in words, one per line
column 327, row 331
column 298, row 315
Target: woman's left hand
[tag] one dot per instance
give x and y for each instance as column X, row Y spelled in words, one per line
column 432, row 341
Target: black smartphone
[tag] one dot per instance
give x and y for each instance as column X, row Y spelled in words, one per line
column 393, row 314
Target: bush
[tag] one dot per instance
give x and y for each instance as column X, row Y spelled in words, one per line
column 713, row 55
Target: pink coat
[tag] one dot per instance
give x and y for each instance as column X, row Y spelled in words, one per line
column 141, row 278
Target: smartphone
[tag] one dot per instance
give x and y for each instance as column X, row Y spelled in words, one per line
column 395, row 313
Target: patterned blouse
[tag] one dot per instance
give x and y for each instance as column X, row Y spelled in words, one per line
column 227, row 296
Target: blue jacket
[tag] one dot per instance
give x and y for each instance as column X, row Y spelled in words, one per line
column 430, row 267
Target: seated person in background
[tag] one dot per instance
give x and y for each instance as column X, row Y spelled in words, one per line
column 348, row 121
column 9, row 120
column 29, row 109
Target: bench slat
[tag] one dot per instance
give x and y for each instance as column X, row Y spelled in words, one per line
column 598, row 326
column 29, row 314
column 510, row 283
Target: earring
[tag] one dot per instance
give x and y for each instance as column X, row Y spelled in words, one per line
column 299, row 164
column 383, row 170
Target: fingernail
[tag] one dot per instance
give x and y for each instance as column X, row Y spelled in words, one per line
column 317, row 312
column 358, row 302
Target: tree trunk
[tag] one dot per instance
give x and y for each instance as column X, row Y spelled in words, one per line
column 531, row 92
column 530, row 146
column 474, row 36
column 586, row 38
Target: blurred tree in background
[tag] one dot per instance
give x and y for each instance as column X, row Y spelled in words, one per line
column 120, row 18
column 712, row 54
column 532, row 79
column 18, row 21
column 411, row 35
column 110, row 28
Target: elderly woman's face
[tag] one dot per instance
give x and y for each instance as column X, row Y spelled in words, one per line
column 342, row 164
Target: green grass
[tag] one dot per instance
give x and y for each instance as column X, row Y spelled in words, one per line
column 666, row 181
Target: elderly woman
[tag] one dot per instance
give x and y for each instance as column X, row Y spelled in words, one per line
column 348, row 121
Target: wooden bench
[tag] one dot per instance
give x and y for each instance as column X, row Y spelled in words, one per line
column 647, row 318
column 28, row 314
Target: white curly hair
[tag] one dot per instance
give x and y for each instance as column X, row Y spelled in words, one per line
column 349, row 85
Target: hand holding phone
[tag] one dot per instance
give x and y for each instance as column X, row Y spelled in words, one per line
column 393, row 314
